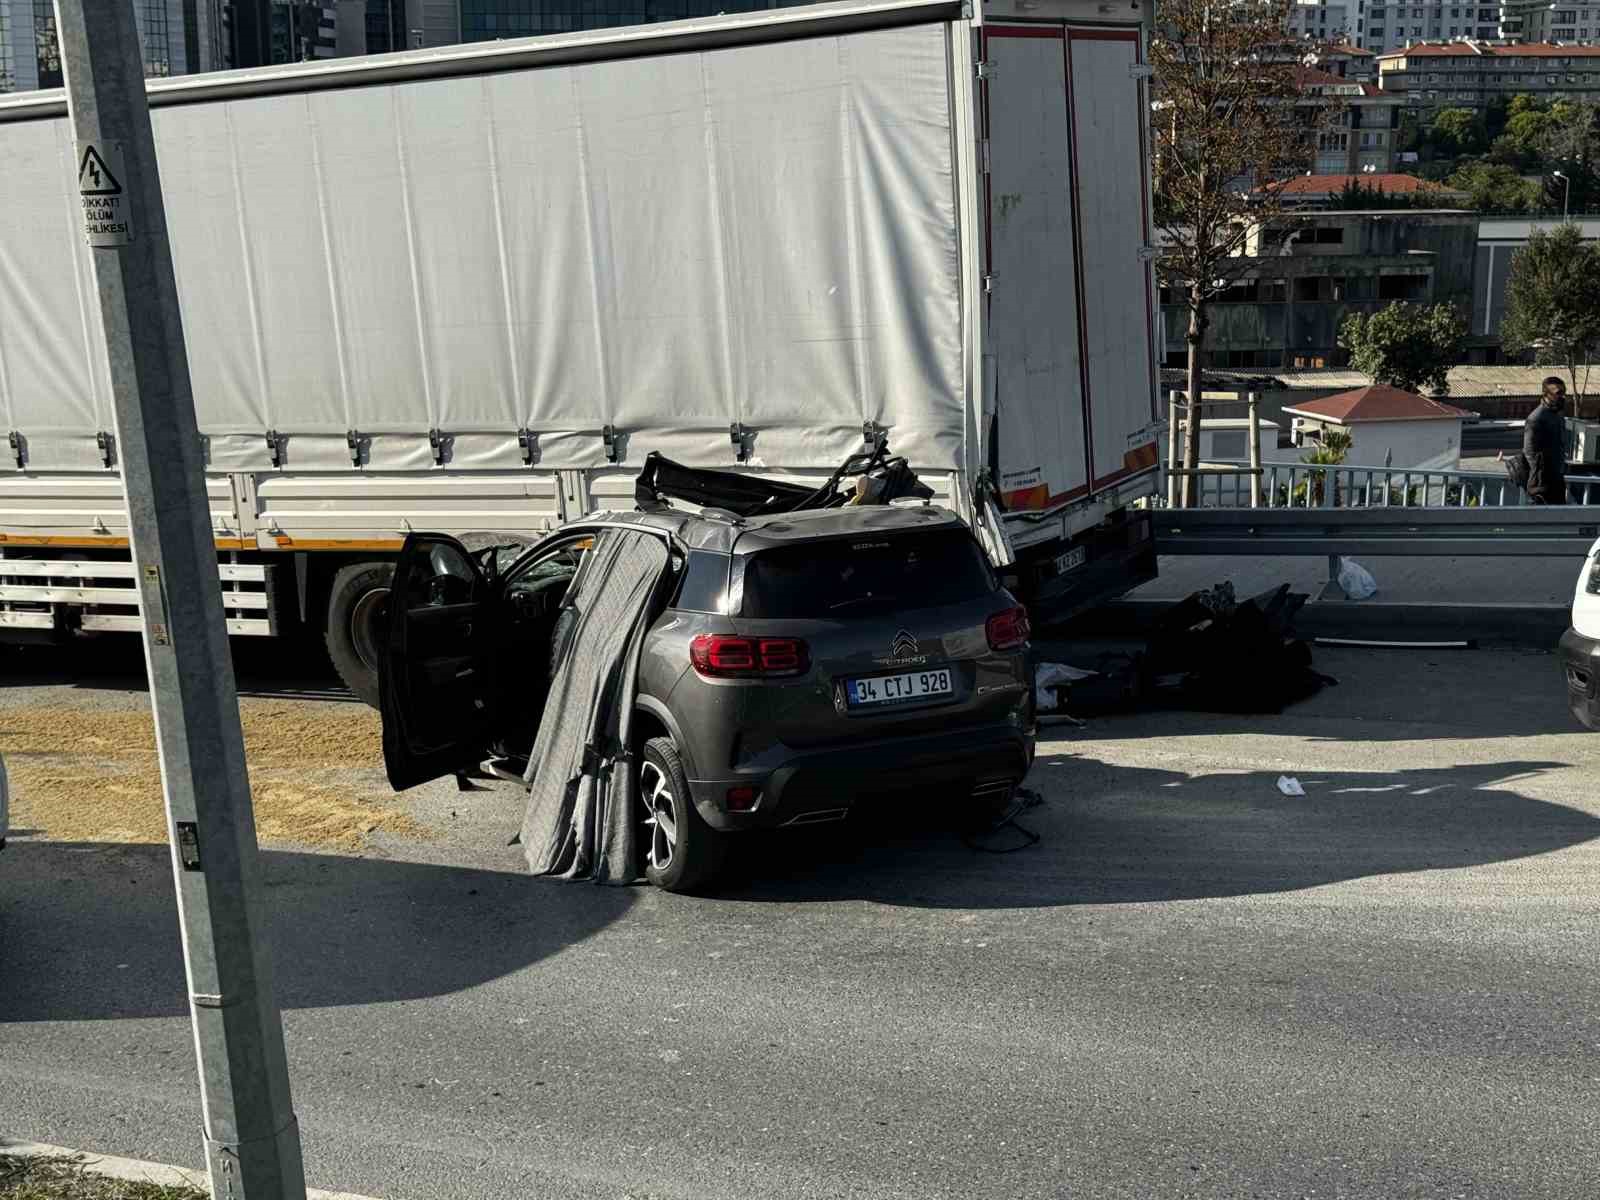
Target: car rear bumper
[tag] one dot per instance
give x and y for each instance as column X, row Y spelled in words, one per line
column 1580, row 662
column 818, row 786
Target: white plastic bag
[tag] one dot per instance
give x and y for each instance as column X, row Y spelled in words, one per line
column 1355, row 580
column 1051, row 676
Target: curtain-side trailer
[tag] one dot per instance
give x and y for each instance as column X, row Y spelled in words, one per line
column 470, row 289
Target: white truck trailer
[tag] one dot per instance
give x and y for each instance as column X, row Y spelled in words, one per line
column 470, row 289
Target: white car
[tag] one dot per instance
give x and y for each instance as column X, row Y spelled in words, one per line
column 1580, row 647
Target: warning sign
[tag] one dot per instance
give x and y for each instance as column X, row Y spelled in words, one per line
column 107, row 208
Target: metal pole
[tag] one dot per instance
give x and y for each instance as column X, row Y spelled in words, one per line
column 252, row 1142
column 1253, row 403
column 1172, row 448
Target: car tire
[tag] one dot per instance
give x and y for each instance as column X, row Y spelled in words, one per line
column 681, row 852
column 357, row 621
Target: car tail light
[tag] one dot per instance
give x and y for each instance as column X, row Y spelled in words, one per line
column 742, row 799
column 724, row 656
column 1009, row 629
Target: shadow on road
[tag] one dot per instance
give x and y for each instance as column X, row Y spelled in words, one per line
column 289, row 666
column 1122, row 835
column 1382, row 696
column 89, row 931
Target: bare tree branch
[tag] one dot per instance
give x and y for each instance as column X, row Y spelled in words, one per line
column 1230, row 124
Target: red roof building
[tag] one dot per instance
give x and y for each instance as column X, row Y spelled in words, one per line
column 1379, row 402
column 1387, row 427
column 1308, row 191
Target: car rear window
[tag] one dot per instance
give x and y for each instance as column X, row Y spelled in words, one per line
column 871, row 574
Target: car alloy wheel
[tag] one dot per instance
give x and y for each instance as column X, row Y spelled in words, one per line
column 661, row 815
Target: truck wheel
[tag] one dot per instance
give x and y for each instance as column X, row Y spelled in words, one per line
column 681, row 852
column 358, row 624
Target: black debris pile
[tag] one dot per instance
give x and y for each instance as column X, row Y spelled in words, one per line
column 1214, row 653
column 1210, row 652
column 873, row 477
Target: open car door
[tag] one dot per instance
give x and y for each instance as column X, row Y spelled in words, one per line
column 437, row 686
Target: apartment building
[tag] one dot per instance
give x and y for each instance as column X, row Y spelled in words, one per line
column 1391, row 26
column 1555, row 21
column 1324, row 20
column 1349, row 61
column 1363, row 133
column 1471, row 75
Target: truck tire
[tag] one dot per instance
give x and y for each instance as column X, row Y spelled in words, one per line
column 357, row 621
column 681, row 852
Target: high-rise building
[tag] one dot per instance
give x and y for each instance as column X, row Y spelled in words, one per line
column 1325, row 20
column 177, row 37
column 1391, row 26
column 486, row 20
column 383, row 24
column 183, row 36
column 1554, row 20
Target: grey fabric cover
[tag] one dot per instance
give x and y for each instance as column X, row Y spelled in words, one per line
column 580, row 822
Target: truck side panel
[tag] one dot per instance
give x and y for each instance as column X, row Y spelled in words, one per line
column 1033, row 317
column 52, row 353
column 1111, row 192
column 666, row 245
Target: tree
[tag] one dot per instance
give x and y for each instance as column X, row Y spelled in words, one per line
column 1496, row 188
column 1409, row 346
column 1331, row 450
column 1457, row 131
column 1226, row 133
column 1360, row 196
column 1495, row 114
column 1553, row 303
column 1357, row 196
column 1522, row 145
column 1571, row 145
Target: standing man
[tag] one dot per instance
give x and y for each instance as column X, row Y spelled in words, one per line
column 1544, row 446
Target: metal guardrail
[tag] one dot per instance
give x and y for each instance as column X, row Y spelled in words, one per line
column 1534, row 531
column 1225, row 483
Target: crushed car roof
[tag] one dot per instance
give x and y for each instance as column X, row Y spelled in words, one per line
column 723, row 534
column 787, row 528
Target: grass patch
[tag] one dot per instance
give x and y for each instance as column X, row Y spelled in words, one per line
column 65, row 1179
column 92, row 775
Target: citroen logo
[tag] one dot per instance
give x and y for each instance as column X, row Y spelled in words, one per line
column 904, row 646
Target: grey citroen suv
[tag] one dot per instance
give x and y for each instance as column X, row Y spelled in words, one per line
column 805, row 662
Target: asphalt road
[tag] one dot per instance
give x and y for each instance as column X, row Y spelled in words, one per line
column 1194, row 986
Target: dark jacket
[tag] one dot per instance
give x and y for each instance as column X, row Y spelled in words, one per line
column 1544, row 446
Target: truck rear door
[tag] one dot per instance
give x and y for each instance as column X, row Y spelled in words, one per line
column 1112, row 193
column 1033, row 261
column 1070, row 306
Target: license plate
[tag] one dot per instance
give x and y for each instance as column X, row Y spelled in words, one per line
column 892, row 689
column 1072, row 559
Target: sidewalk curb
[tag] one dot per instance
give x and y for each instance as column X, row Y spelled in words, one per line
column 137, row 1171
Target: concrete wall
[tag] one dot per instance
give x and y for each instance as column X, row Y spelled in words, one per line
column 1441, row 246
